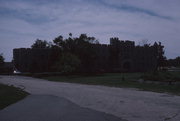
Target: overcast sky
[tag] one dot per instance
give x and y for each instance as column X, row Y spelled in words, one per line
column 23, row 21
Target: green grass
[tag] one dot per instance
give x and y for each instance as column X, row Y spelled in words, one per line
column 162, row 76
column 125, row 80
column 106, row 79
column 10, row 95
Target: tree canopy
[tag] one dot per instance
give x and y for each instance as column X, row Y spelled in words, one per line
column 174, row 62
column 67, row 63
column 81, row 47
column 1, row 59
column 41, row 44
column 70, row 43
column 161, row 59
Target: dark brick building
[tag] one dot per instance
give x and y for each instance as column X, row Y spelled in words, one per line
column 118, row 56
column 34, row 60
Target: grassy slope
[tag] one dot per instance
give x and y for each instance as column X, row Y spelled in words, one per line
column 126, row 80
column 10, row 95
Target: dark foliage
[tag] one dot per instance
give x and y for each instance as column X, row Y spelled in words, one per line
column 67, row 63
column 174, row 62
column 41, row 44
column 1, row 60
column 161, row 59
column 1, row 63
column 82, row 47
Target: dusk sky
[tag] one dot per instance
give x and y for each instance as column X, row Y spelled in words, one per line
column 23, row 21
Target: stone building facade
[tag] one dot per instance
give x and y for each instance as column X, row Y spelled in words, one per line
column 34, row 60
column 118, row 56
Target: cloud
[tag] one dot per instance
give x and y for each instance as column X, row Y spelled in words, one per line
column 24, row 21
column 124, row 6
column 166, row 8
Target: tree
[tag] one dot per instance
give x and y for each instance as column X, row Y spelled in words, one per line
column 82, row 47
column 177, row 62
column 59, row 42
column 1, row 63
column 161, row 59
column 1, row 60
column 67, row 63
column 174, row 62
column 41, row 44
column 70, row 44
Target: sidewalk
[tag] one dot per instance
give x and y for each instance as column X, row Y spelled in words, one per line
column 51, row 108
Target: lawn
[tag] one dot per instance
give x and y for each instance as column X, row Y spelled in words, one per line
column 125, row 80
column 10, row 95
column 163, row 76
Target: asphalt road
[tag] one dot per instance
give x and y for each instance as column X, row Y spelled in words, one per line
column 129, row 104
column 51, row 108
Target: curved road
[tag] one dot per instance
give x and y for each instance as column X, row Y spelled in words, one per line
column 129, row 104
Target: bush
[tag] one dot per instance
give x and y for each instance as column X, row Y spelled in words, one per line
column 67, row 63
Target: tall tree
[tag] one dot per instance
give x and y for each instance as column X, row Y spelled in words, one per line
column 1, row 59
column 81, row 46
column 41, row 44
column 161, row 59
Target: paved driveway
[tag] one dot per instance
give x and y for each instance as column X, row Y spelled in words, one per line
column 129, row 104
column 51, row 108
